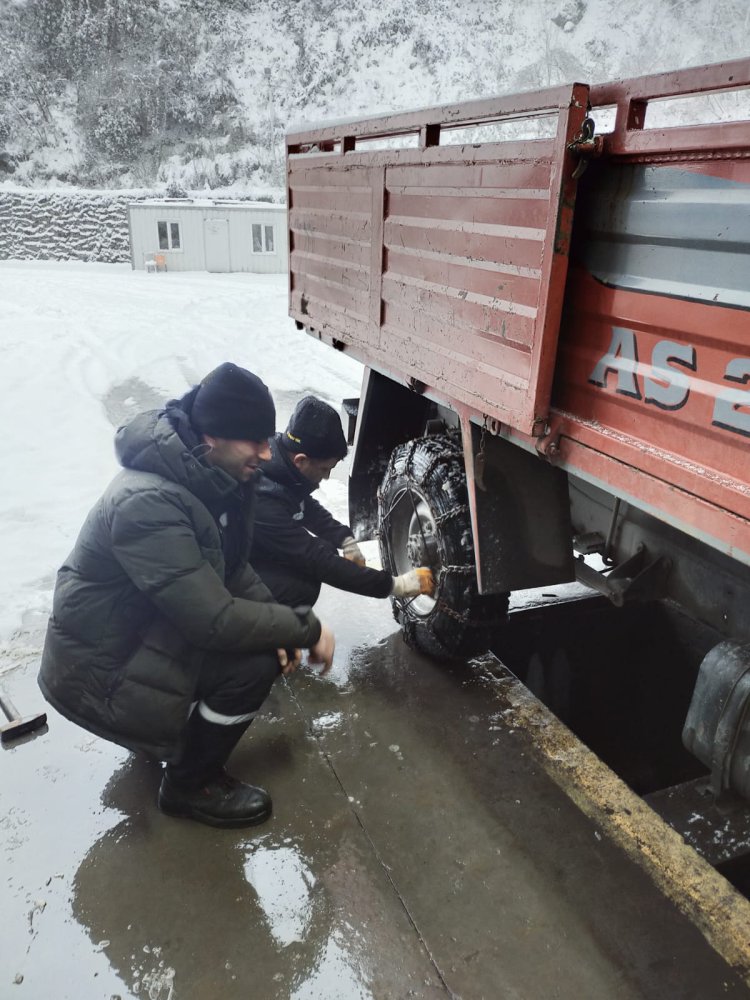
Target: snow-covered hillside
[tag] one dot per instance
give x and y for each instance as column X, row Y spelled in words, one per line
column 137, row 93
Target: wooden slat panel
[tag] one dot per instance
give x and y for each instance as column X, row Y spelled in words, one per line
column 482, row 277
column 502, row 173
column 692, row 80
column 463, row 250
column 376, row 250
column 329, row 177
column 421, row 357
column 527, row 216
column 483, row 110
column 350, row 201
column 477, row 243
column 312, row 287
column 351, row 276
column 490, row 304
column 514, row 324
column 466, row 343
column 335, row 247
column 356, row 227
column 322, row 313
column 524, row 151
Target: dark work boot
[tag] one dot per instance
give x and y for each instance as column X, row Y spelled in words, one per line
column 196, row 786
column 221, row 801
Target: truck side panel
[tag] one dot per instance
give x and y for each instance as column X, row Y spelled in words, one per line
column 654, row 356
column 651, row 399
column 446, row 263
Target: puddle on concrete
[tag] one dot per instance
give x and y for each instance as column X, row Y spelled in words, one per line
column 334, row 977
column 359, row 623
column 106, row 895
column 183, row 912
column 284, row 884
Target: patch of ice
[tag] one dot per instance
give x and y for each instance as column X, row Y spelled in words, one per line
column 327, row 722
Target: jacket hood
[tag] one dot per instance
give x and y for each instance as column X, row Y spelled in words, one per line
column 163, row 442
column 283, row 471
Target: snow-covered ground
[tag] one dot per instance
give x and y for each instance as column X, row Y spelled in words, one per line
column 82, row 347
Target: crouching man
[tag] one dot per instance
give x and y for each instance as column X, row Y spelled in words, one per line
column 162, row 638
column 296, row 540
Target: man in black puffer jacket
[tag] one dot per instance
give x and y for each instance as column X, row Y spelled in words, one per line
column 296, row 540
column 162, row 638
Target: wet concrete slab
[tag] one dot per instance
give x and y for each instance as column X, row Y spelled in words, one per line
column 514, row 891
column 417, row 849
column 106, row 897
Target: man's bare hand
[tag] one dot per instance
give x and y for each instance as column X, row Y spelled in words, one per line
column 289, row 659
column 351, row 551
column 322, row 651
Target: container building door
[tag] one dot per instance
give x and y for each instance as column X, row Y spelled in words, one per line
column 216, row 242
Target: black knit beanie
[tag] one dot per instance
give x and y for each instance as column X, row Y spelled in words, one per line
column 232, row 403
column 315, row 430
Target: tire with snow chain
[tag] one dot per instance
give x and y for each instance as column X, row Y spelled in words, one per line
column 424, row 520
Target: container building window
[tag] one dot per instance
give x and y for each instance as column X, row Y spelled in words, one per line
column 169, row 235
column 263, row 239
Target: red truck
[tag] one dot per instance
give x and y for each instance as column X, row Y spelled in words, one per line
column 555, row 328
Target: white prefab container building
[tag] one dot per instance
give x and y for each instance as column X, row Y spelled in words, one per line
column 187, row 234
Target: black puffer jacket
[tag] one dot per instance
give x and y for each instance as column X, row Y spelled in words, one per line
column 159, row 575
column 295, row 540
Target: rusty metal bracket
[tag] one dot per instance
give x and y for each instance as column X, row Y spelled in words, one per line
column 638, row 577
column 479, row 459
column 548, row 440
column 586, row 146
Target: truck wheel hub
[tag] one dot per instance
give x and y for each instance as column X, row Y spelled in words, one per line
column 421, row 545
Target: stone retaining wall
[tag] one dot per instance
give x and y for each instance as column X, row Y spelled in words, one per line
column 66, row 225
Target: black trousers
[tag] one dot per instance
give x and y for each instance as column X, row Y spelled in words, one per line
column 290, row 588
column 237, row 683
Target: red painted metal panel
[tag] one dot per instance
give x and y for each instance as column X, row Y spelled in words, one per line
column 318, row 292
column 632, row 138
column 329, row 247
column 507, row 255
column 467, row 250
column 480, row 349
column 682, row 446
column 685, row 510
column 692, row 80
column 468, row 112
column 469, row 313
column 481, row 277
column 524, row 218
column 500, row 179
column 467, row 254
column 678, row 257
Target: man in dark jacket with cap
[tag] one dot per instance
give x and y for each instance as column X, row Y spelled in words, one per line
column 296, row 541
column 162, row 638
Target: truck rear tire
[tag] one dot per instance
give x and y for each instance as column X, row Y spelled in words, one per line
column 423, row 520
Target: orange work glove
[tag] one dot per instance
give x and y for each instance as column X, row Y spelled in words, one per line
column 415, row 582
